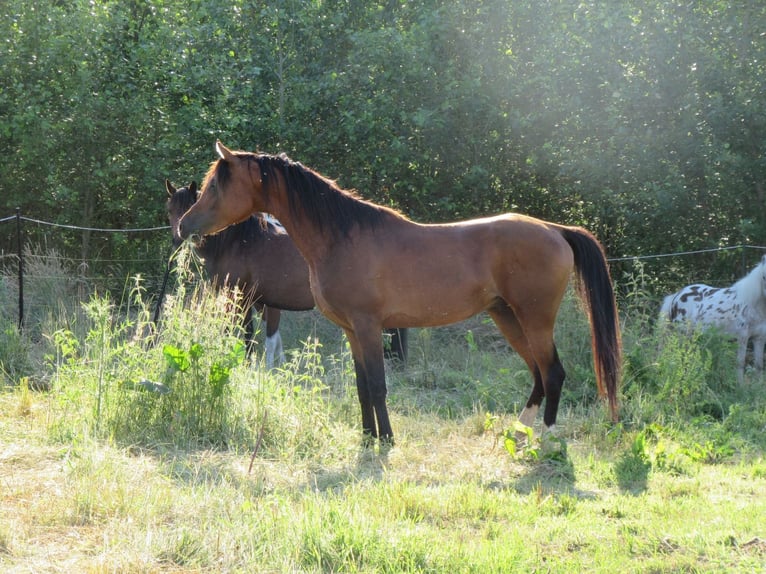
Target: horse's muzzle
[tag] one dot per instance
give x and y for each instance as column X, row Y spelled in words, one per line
column 183, row 230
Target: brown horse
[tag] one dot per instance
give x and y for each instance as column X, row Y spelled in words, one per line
column 371, row 267
column 258, row 257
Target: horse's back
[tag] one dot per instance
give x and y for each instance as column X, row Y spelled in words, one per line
column 703, row 305
column 432, row 274
column 684, row 304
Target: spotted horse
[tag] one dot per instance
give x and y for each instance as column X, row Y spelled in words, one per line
column 739, row 310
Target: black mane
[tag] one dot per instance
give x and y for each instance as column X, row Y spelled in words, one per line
column 330, row 208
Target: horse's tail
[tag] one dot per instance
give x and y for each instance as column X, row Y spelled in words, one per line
column 594, row 286
column 667, row 307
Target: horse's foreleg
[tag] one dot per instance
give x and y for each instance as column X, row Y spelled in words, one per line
column 247, row 323
column 369, row 429
column 367, row 349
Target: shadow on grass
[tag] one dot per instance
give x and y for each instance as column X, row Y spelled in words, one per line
column 553, row 471
column 632, row 472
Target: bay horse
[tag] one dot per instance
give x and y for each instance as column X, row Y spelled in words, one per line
column 371, row 267
column 259, row 257
column 739, row 310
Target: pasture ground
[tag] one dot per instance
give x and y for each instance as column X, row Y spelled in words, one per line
column 671, row 489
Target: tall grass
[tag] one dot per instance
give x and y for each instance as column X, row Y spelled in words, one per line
column 186, row 382
column 52, row 296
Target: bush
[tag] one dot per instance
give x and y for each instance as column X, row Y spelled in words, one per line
column 143, row 384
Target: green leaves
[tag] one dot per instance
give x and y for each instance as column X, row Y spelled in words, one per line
column 178, row 360
column 221, row 369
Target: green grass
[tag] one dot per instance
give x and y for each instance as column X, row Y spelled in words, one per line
column 237, row 469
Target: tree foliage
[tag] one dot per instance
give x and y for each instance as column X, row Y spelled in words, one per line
column 643, row 120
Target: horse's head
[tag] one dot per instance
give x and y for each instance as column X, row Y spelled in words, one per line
column 231, row 191
column 179, row 201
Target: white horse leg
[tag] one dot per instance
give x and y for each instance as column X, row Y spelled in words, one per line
column 274, row 349
column 741, row 354
column 280, row 352
column 271, row 343
column 526, row 418
column 758, row 344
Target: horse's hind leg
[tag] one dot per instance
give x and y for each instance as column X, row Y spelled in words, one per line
column 274, row 349
column 758, row 344
column 541, row 357
column 741, row 357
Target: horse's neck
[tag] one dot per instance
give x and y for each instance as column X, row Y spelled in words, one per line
column 308, row 238
column 750, row 288
column 206, row 251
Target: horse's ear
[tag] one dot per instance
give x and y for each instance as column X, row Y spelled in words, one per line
column 193, row 188
column 169, row 187
column 223, row 151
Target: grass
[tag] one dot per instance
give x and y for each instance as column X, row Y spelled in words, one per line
column 445, row 499
column 237, row 469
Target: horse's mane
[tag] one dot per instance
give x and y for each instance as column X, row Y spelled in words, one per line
column 309, row 194
column 750, row 287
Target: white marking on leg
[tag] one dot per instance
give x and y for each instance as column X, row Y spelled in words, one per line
column 271, row 344
column 527, row 416
column 278, row 350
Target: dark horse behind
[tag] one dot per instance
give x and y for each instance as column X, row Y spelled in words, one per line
column 259, row 258
column 372, row 268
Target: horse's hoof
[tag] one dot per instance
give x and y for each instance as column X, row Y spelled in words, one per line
column 553, row 445
column 387, row 442
column 368, row 440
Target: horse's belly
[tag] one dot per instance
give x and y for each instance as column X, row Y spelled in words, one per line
column 428, row 317
column 434, row 307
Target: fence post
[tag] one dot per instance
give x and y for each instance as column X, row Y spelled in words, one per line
column 21, row 268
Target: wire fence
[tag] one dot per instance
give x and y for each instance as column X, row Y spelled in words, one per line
column 42, row 274
column 42, row 278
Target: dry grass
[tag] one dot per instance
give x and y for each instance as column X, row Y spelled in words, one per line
column 446, row 494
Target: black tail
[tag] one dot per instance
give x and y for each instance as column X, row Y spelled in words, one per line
column 594, row 286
